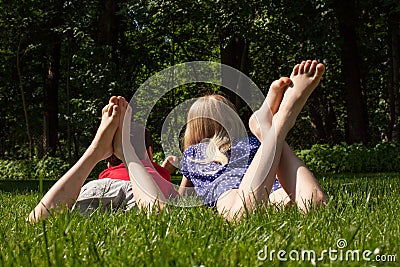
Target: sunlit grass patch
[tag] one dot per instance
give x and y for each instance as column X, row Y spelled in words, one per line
column 362, row 214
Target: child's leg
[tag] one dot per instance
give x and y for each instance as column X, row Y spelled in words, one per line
column 298, row 181
column 294, row 176
column 258, row 180
column 145, row 190
column 273, row 101
column 65, row 191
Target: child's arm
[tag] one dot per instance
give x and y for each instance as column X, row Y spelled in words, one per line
column 66, row 190
column 186, row 187
column 170, row 163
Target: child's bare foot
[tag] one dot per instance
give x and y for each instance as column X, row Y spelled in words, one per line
column 306, row 77
column 270, row 105
column 117, row 142
column 276, row 92
column 101, row 145
column 114, row 100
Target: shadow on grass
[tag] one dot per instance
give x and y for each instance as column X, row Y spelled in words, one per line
column 34, row 185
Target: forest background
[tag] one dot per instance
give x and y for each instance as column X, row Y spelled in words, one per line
column 61, row 61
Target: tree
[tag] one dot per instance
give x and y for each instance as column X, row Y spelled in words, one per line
column 357, row 118
column 394, row 71
column 73, row 55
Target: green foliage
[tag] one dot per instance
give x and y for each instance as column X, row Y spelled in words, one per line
column 148, row 36
column 356, row 158
column 158, row 157
column 51, row 168
column 46, row 168
column 17, row 169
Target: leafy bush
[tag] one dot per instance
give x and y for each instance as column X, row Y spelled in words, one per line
column 50, row 168
column 159, row 157
column 343, row 158
column 46, row 168
column 17, row 169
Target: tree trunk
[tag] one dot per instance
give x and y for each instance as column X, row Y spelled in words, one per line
column 357, row 124
column 316, row 118
column 21, row 88
column 109, row 27
column 68, row 91
column 333, row 133
column 108, row 23
column 236, row 55
column 51, row 100
column 394, row 76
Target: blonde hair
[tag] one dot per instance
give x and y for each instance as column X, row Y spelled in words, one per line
column 212, row 119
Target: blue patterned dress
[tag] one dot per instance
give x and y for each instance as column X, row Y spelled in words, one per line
column 212, row 179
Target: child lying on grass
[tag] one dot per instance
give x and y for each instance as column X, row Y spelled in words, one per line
column 113, row 190
column 232, row 185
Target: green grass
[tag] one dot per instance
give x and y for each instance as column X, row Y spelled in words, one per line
column 363, row 210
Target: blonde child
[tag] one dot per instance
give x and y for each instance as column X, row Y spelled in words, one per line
column 228, row 170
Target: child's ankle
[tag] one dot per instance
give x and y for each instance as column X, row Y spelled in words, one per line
column 281, row 123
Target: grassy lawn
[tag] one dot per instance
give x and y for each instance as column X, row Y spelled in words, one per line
column 360, row 221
